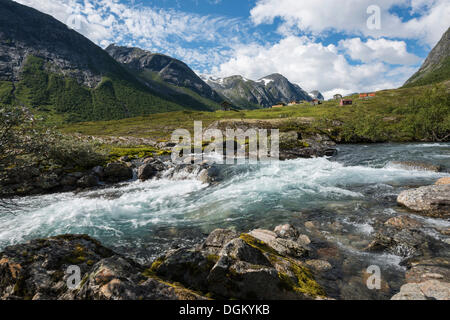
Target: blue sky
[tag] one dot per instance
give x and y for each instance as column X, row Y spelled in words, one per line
column 319, row 44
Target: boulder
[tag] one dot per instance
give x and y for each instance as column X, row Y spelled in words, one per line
column 209, row 175
column 99, row 171
column 68, row 181
column 430, row 200
column 405, row 243
column 286, row 231
column 443, row 181
column 117, row 172
column 38, row 270
column 293, row 146
column 88, row 181
column 217, row 240
column 151, row 168
column 426, row 279
column 319, row 265
column 244, row 267
column 403, row 222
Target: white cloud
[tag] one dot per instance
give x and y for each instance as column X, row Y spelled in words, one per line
column 350, row 16
column 165, row 31
column 312, row 66
column 389, row 51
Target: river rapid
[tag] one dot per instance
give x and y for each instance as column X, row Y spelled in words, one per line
column 346, row 197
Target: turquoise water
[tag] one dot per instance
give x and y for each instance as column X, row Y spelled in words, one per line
column 356, row 189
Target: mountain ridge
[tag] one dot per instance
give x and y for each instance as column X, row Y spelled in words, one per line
column 162, row 67
column 436, row 67
column 264, row 92
column 63, row 76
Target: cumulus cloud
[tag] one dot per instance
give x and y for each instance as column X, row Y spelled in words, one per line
column 313, row 66
column 350, row 16
column 225, row 46
column 389, row 51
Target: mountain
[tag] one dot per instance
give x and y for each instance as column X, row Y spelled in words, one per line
column 265, row 92
column 151, row 67
column 316, row 95
column 63, row 76
column 436, row 67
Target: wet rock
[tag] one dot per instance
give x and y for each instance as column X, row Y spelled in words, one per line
column 217, row 240
column 403, row 222
column 293, row 146
column 68, row 181
column 88, row 181
column 117, row 172
column 411, row 165
column 310, row 225
column 437, row 268
column 151, row 168
column 242, row 267
column 443, row 181
column 406, row 243
column 286, row 231
column 430, row 200
column 47, row 181
column 428, row 290
column 427, row 279
column 286, row 247
column 209, row 175
column 147, row 171
column 319, row 265
column 37, row 270
column 99, row 171
column 248, row 269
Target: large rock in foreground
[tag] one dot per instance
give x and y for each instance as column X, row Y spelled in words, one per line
column 228, row 265
column 37, row 270
column 430, row 200
column 427, row 279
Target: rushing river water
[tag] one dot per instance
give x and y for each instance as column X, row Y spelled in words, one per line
column 345, row 196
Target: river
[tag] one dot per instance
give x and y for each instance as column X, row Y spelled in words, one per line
column 344, row 196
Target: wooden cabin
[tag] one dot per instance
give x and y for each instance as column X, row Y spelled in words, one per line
column 280, row 105
column 346, row 102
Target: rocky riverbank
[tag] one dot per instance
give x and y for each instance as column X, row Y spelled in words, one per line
column 258, row 265
column 35, row 180
column 261, row 264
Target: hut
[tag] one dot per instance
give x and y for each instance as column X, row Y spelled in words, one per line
column 346, row 102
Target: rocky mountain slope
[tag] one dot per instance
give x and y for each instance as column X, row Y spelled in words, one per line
column 265, row 92
column 316, row 95
column 63, row 75
column 436, row 67
column 164, row 69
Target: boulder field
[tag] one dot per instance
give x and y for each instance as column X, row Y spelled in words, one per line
column 261, row 264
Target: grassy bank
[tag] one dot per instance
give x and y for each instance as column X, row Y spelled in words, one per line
column 405, row 114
